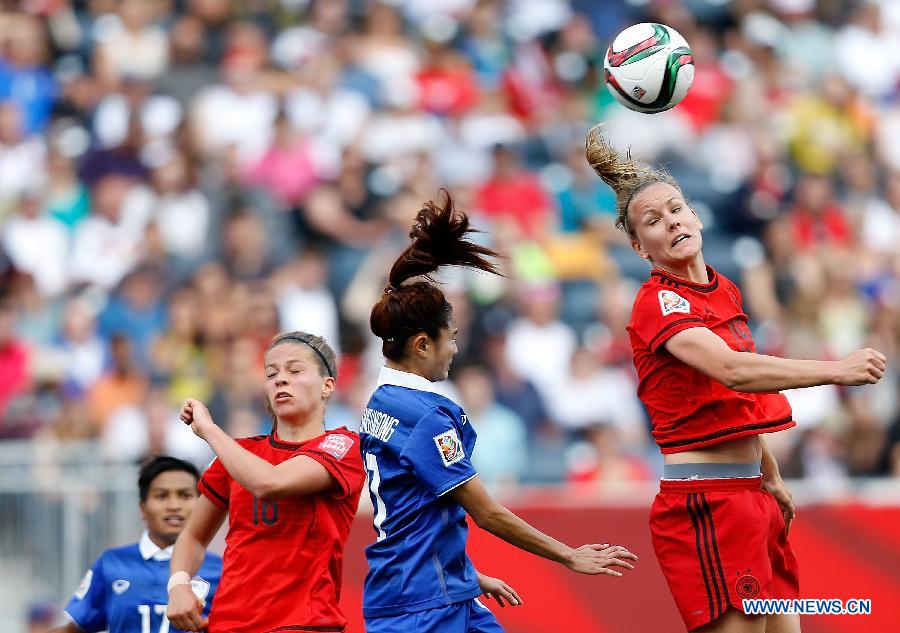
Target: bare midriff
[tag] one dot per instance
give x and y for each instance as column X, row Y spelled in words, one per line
column 742, row 450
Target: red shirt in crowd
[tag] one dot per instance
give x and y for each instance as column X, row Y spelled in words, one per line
column 688, row 409
column 518, row 196
column 710, row 91
column 444, row 90
column 284, row 558
column 13, row 373
column 828, row 227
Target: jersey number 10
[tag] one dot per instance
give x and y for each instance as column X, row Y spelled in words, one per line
column 265, row 511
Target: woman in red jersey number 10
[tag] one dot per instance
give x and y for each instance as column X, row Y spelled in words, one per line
column 720, row 522
column 289, row 496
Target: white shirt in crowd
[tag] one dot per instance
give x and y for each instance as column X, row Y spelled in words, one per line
column 540, row 353
column 605, row 396
column 226, row 117
column 40, row 247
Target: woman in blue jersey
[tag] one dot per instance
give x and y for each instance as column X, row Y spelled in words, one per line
column 125, row 590
column 416, row 447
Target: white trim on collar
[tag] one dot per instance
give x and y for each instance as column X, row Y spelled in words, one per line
column 389, row 376
column 149, row 549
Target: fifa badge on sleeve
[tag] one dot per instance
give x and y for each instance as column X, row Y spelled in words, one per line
column 671, row 302
column 450, row 447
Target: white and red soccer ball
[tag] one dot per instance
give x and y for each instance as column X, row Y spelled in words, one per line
column 649, row 67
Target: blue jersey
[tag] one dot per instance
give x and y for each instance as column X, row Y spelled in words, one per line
column 125, row 590
column 416, row 446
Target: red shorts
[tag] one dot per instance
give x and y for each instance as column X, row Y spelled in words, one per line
column 719, row 541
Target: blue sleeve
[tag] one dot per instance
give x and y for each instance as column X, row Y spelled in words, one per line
column 435, row 454
column 88, row 606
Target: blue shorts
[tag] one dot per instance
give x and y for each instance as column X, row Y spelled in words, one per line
column 462, row 617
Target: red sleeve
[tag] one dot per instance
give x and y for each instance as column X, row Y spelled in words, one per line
column 737, row 294
column 215, row 484
column 339, row 453
column 661, row 313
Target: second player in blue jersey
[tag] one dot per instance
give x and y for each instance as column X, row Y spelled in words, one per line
column 125, row 589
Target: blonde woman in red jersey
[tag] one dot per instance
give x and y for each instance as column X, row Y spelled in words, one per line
column 721, row 519
column 289, row 497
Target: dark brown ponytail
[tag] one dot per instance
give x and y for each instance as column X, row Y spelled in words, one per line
column 438, row 239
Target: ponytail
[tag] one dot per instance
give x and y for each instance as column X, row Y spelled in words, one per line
column 405, row 309
column 624, row 175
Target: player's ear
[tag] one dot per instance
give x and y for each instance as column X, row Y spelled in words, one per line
column 636, row 246
column 327, row 387
column 420, row 344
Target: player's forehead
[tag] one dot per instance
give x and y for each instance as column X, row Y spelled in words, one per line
column 450, row 330
column 288, row 352
column 173, row 480
column 655, row 197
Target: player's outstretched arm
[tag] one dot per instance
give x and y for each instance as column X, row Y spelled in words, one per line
column 68, row 627
column 749, row 372
column 299, row 475
column 498, row 590
column 185, row 610
column 499, row 521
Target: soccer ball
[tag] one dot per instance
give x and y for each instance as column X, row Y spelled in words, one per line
column 649, row 67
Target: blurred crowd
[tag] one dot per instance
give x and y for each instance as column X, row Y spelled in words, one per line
column 182, row 179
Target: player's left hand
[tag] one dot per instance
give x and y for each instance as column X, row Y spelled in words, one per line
column 185, row 610
column 498, row 590
column 776, row 487
column 196, row 414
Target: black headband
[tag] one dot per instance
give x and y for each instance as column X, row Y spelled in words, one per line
column 293, row 337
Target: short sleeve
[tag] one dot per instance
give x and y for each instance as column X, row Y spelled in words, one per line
column 215, row 484
column 87, row 608
column 738, row 297
column 435, row 453
column 661, row 313
column 339, row 454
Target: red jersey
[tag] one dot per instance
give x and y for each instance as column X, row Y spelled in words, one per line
column 688, row 409
column 284, row 558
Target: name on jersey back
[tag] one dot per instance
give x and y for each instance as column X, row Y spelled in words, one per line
column 378, row 424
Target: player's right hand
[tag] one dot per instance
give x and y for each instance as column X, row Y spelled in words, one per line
column 185, row 610
column 598, row 559
column 862, row 367
column 498, row 590
column 196, row 414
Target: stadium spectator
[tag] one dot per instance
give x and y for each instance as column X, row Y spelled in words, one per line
column 501, row 456
column 37, row 244
column 26, row 80
column 14, row 363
